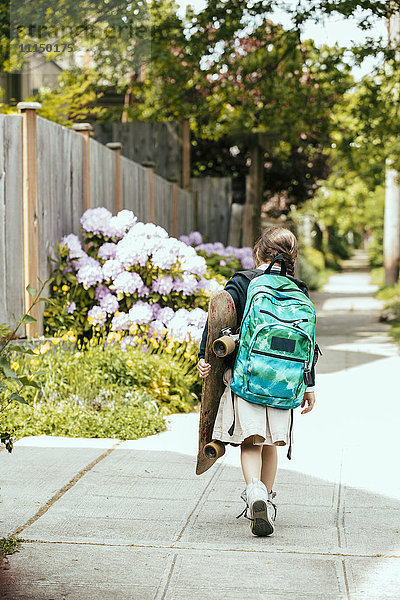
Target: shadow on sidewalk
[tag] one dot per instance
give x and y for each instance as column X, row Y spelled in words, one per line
column 142, row 525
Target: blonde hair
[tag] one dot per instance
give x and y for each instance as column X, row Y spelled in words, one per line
column 277, row 240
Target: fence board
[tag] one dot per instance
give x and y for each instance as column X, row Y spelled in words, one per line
column 102, row 176
column 13, row 217
column 214, row 207
column 163, row 203
column 159, row 142
column 185, row 212
column 3, row 295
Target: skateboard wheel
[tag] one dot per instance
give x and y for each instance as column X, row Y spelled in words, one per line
column 214, row 450
column 223, row 346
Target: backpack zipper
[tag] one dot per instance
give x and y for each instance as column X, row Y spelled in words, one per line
column 279, row 356
column 262, row 292
column 294, row 321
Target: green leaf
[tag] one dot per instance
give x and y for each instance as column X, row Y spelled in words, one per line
column 31, row 290
column 47, row 300
column 28, row 319
column 22, row 349
column 29, row 382
column 18, row 398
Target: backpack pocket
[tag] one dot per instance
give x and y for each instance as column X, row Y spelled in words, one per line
column 278, row 355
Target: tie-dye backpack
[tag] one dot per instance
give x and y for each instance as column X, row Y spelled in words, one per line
column 276, row 342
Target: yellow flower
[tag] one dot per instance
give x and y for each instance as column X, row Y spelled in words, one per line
column 15, row 366
column 65, row 288
column 65, row 337
column 117, row 336
column 186, row 355
column 78, row 354
column 117, row 312
column 55, row 288
column 193, row 358
column 34, row 361
column 36, row 351
column 129, row 363
column 56, row 341
column 45, row 348
column 133, row 329
column 72, row 337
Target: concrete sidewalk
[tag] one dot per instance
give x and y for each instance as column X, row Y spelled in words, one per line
column 131, row 520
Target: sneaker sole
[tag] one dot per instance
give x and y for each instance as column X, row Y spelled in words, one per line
column 261, row 525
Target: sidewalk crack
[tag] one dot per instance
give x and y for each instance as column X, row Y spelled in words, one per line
column 43, row 509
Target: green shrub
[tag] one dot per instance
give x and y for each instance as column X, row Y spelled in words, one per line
column 375, row 249
column 314, row 258
column 105, row 391
column 307, row 273
column 112, row 415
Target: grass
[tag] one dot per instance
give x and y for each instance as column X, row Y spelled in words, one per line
column 390, row 294
column 10, row 545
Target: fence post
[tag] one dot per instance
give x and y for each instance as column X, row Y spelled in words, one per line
column 30, row 209
column 186, row 154
column 85, row 129
column 195, row 195
column 174, row 228
column 116, row 147
column 150, row 166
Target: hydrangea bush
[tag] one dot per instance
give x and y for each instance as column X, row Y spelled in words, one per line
column 221, row 260
column 129, row 277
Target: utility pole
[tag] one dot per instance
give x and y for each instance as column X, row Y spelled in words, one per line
column 391, row 238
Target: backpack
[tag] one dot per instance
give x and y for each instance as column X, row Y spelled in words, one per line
column 276, row 341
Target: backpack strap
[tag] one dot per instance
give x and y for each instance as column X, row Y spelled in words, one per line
column 278, row 258
column 251, row 274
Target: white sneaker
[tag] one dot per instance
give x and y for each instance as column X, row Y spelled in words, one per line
column 262, row 509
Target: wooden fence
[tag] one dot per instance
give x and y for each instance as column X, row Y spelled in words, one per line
column 48, row 176
column 214, row 201
column 160, row 142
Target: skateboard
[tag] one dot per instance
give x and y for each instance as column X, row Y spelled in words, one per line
column 220, row 343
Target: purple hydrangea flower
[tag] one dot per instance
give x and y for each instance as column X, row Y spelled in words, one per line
column 165, row 315
column 118, row 226
column 141, row 313
column 107, row 250
column 120, row 322
column 97, row 316
column 70, row 308
column 128, row 283
column 162, row 285
column 193, row 239
column 95, row 220
column 73, row 244
column 109, row 303
column 144, row 292
column 111, row 269
column 89, row 271
column 187, row 285
column 157, row 328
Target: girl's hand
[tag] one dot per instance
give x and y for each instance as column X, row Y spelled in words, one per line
column 203, row 368
column 308, row 398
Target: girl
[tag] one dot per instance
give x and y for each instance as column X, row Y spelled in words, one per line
column 256, row 428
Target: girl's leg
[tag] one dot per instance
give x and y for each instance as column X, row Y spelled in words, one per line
column 250, row 457
column 269, row 465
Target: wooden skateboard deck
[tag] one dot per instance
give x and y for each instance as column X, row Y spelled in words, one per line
column 221, row 314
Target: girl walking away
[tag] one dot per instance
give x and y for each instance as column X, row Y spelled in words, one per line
column 272, row 371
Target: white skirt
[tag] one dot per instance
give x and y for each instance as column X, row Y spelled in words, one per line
column 268, row 425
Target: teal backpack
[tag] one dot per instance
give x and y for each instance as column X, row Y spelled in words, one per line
column 276, row 342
